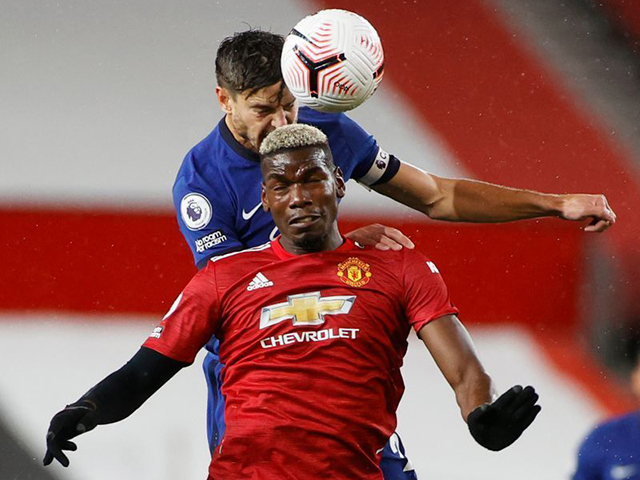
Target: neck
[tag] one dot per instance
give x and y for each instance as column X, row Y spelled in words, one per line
column 330, row 241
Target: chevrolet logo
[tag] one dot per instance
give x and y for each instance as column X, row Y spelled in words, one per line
column 305, row 309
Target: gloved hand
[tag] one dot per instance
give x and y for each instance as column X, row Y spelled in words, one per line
column 497, row 425
column 74, row 420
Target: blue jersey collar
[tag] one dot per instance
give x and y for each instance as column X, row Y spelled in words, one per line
column 230, row 140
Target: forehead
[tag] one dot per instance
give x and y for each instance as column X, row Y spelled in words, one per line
column 271, row 95
column 295, row 162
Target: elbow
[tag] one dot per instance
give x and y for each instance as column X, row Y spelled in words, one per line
column 440, row 205
column 442, row 209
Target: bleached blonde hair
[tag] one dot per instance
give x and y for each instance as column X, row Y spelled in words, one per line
column 297, row 135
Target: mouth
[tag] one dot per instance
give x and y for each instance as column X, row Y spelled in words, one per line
column 304, row 220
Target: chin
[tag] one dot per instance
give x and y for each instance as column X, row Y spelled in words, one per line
column 311, row 242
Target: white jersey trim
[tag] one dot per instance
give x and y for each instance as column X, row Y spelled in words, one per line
column 252, row 249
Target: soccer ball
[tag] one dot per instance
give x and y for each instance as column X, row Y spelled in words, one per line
column 332, row 61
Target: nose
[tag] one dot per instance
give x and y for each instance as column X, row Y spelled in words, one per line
column 299, row 196
column 279, row 118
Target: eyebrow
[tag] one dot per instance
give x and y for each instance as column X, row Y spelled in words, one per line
column 270, row 105
column 276, row 176
column 307, row 171
column 261, row 105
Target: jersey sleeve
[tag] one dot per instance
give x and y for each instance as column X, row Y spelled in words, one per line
column 590, row 459
column 191, row 321
column 426, row 295
column 373, row 165
column 205, row 216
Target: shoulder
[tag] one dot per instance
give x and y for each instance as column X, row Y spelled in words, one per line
column 202, row 172
column 232, row 268
column 330, row 123
column 203, row 160
column 622, row 428
column 413, row 256
column 614, row 426
column 405, row 255
column 313, row 117
column 242, row 257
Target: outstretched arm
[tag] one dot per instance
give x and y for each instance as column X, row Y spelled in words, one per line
column 474, row 201
column 452, row 349
column 113, row 399
column 493, row 424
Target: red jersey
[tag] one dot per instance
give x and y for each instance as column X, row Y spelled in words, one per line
column 312, row 347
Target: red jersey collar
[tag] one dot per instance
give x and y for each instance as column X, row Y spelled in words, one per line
column 282, row 254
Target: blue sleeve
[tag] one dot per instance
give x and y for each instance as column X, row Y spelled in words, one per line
column 372, row 165
column 354, row 150
column 205, row 215
column 363, row 146
column 590, row 465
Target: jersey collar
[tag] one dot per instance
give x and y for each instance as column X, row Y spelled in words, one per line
column 230, row 140
column 282, row 254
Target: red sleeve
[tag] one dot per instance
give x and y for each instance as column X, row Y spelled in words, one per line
column 426, row 295
column 191, row 321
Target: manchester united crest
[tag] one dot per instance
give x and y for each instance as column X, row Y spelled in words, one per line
column 354, row 272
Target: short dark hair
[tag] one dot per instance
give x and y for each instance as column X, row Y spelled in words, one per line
column 249, row 61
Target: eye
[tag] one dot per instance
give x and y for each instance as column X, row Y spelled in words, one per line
column 290, row 105
column 261, row 112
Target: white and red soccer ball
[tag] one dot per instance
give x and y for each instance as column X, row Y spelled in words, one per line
column 332, row 61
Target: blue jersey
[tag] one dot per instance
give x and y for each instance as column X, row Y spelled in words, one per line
column 611, row 451
column 217, row 190
column 217, row 196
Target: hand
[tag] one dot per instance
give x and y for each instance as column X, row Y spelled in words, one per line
column 594, row 207
column 497, row 425
column 380, row 237
column 72, row 421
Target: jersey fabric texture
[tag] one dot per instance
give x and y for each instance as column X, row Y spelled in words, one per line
column 308, row 356
column 611, row 451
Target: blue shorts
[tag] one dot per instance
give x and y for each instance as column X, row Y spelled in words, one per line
column 394, row 463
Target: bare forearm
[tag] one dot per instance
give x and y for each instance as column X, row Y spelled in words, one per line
column 475, row 389
column 452, row 349
column 475, row 201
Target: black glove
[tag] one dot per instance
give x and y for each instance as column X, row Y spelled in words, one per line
column 74, row 420
column 497, row 425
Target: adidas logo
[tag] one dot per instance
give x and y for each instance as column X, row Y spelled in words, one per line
column 259, row 281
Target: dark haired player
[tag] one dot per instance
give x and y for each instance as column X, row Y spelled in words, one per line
column 313, row 331
column 221, row 175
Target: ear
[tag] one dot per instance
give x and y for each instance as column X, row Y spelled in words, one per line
column 224, row 99
column 263, row 197
column 341, row 187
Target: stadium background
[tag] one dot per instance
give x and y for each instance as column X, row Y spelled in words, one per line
column 99, row 103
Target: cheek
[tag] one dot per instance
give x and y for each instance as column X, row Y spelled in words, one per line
column 259, row 125
column 329, row 197
column 277, row 202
